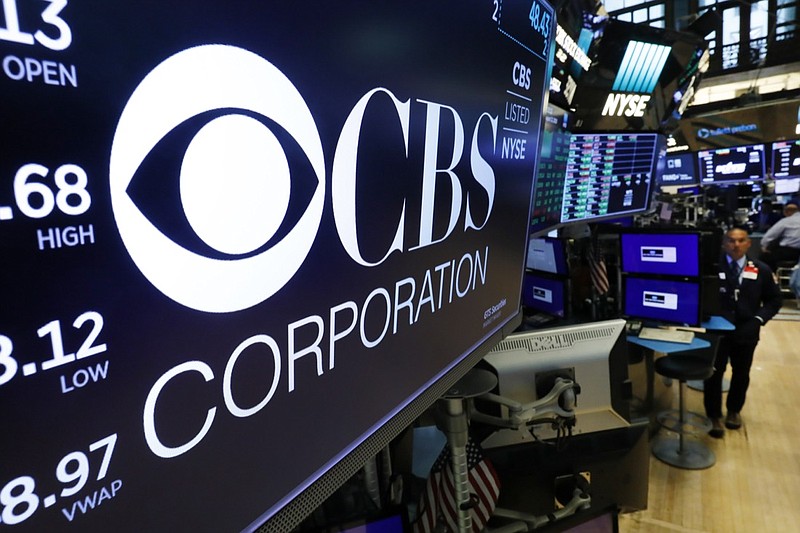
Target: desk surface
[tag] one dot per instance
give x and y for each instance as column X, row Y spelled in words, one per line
column 717, row 323
column 669, row 347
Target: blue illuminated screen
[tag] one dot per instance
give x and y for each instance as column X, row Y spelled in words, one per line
column 390, row 524
column 545, row 294
column 671, row 254
column 663, row 300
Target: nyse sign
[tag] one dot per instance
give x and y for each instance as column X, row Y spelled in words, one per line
column 216, row 234
column 630, row 105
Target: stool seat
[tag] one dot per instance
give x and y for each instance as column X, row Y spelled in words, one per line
column 695, row 365
column 684, row 367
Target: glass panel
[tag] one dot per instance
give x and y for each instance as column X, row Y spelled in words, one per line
column 613, row 5
column 759, row 20
column 730, row 26
column 658, row 24
column 656, row 12
column 786, row 14
column 625, row 16
column 640, row 15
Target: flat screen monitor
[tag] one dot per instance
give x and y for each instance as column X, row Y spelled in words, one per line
column 549, row 255
column 544, row 293
column 609, row 175
column 662, row 300
column 732, row 165
column 605, row 176
column 656, row 252
column 245, row 244
column 594, row 355
column 786, row 159
column 679, row 170
column 787, row 186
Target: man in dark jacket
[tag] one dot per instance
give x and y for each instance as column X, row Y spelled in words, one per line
column 749, row 297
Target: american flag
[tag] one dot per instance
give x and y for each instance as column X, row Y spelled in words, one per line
column 438, row 502
column 598, row 272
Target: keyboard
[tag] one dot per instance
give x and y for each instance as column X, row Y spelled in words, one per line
column 666, row 335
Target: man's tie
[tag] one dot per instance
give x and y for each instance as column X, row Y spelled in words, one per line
column 734, row 267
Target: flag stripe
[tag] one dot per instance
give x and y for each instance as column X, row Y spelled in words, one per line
column 438, row 507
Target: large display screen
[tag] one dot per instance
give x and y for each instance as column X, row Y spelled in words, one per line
column 239, row 238
column 786, row 159
column 609, row 174
column 595, row 176
column 732, row 165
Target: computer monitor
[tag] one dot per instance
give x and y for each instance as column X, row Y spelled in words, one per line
column 680, row 170
column 732, row 165
column 546, row 254
column 610, row 174
column 545, row 293
column 605, row 176
column 675, row 301
column 670, row 253
column 594, row 355
column 247, row 244
column 786, row 159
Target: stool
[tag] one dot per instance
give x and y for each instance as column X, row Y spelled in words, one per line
column 694, row 365
column 784, row 274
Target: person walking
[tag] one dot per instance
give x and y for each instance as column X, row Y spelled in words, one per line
column 749, row 298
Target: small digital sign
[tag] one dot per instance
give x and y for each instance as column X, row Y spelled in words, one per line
column 680, row 170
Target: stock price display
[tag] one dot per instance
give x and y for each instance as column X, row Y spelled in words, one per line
column 608, row 174
column 227, row 230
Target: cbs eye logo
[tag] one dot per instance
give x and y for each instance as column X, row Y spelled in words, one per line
column 234, row 180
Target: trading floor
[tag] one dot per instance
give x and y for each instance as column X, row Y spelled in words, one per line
column 754, row 484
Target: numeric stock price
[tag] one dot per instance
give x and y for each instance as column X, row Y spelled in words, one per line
column 52, row 330
column 19, row 499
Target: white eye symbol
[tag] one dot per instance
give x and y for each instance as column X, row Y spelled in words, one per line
column 234, row 179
